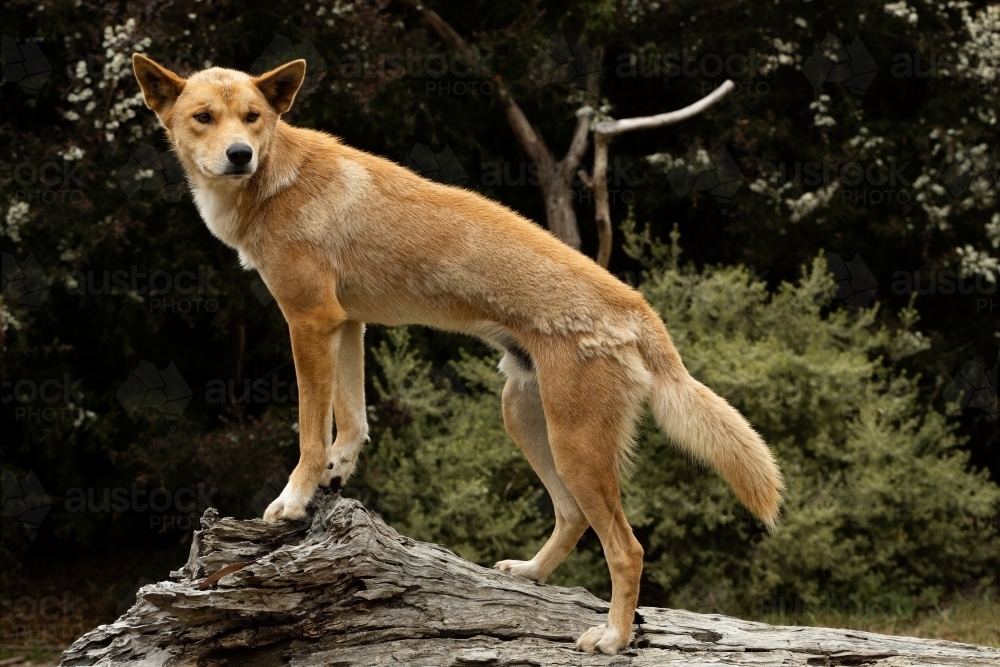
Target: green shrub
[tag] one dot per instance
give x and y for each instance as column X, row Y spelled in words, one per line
column 881, row 508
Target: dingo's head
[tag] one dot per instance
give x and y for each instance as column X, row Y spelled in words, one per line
column 219, row 121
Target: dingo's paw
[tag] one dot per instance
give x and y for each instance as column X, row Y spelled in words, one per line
column 602, row 638
column 286, row 507
column 338, row 468
column 522, row 568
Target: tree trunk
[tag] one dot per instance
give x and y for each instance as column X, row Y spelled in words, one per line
column 559, row 213
column 557, row 177
column 344, row 589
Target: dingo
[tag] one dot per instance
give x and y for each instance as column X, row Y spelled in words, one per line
column 341, row 237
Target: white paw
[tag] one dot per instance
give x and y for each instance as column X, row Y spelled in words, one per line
column 340, row 465
column 602, row 638
column 522, row 568
column 287, row 507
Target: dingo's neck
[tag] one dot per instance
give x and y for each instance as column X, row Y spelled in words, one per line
column 226, row 204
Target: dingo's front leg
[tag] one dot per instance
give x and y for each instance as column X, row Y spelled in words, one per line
column 313, row 335
column 349, row 410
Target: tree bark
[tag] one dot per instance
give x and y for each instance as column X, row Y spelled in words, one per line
column 342, row 588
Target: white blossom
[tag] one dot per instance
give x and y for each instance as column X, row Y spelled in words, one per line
column 903, row 11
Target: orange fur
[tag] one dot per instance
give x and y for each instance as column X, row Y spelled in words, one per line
column 342, row 237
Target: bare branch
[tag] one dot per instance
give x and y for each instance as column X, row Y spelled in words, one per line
column 527, row 136
column 614, row 127
column 442, row 28
column 577, row 147
column 604, row 132
column 531, row 141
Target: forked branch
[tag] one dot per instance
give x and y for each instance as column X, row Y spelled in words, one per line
column 605, row 131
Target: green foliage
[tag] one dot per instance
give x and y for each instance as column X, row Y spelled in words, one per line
column 880, row 500
column 881, row 507
column 441, row 466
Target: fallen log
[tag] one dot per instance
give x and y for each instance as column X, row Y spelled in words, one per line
column 343, row 589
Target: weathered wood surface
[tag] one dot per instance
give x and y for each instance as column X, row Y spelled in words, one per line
column 343, row 589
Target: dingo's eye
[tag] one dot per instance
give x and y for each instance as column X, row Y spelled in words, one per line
column 203, row 117
column 252, row 116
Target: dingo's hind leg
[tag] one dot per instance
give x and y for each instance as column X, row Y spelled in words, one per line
column 525, row 422
column 591, row 407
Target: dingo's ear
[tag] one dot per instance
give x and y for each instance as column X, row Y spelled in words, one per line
column 160, row 86
column 280, row 84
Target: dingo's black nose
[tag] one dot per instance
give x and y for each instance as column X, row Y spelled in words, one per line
column 239, row 154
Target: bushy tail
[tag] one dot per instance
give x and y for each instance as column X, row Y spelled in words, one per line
column 702, row 423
